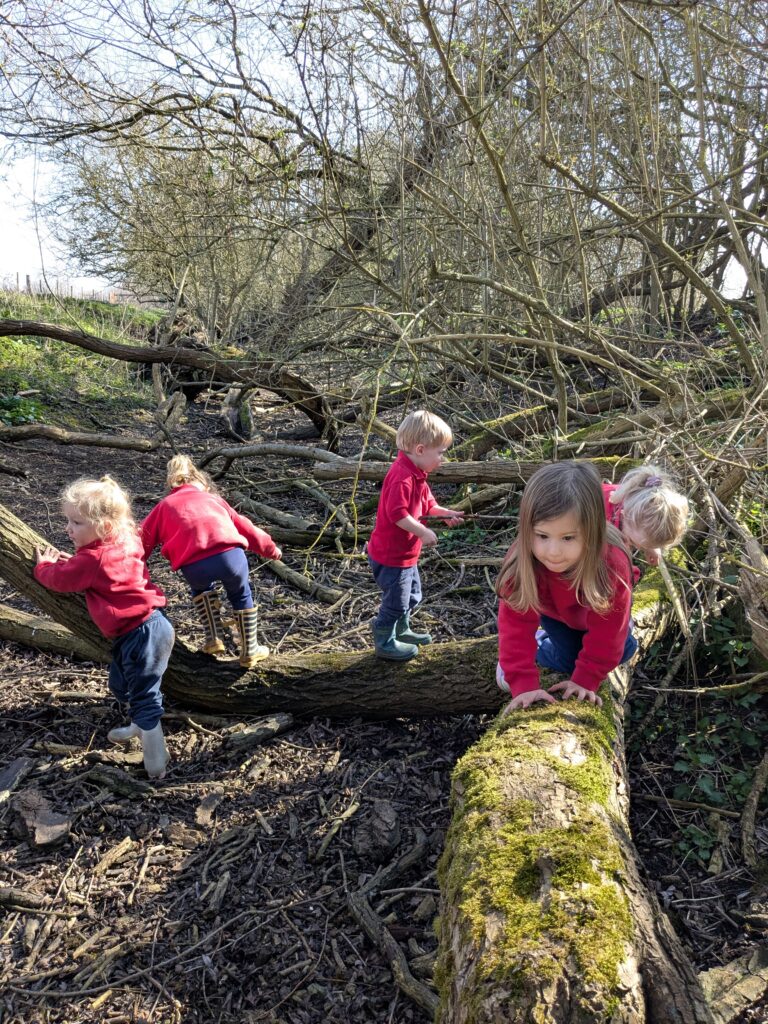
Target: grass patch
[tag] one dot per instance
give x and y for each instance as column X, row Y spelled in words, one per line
column 70, row 385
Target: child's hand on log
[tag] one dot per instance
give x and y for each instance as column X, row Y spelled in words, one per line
column 571, row 689
column 524, row 700
column 48, row 554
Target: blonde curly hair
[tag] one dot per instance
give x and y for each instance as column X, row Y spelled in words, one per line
column 103, row 503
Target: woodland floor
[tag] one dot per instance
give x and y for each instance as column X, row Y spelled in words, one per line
column 220, row 894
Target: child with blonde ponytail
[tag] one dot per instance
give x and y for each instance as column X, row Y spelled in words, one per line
column 108, row 568
column 565, row 590
column 648, row 511
column 206, row 540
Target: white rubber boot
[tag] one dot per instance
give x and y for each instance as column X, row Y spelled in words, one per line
column 123, row 733
column 156, row 755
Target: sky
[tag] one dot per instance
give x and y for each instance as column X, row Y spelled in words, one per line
column 27, row 247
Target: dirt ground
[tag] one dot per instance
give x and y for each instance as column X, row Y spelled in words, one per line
column 222, row 893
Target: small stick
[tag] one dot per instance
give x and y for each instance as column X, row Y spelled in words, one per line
column 487, row 516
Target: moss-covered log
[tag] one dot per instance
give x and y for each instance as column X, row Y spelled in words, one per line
column 619, row 432
column 535, row 419
column 544, row 916
column 454, row 678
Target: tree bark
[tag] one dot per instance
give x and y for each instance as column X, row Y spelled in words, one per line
column 495, row 472
column 43, row 635
column 544, row 916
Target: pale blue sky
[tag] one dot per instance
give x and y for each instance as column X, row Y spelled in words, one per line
column 26, row 245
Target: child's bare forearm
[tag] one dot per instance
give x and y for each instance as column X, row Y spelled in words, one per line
column 411, row 525
column 438, row 512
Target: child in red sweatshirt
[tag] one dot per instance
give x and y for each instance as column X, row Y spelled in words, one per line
column 206, row 540
column 565, row 590
column 398, row 534
column 647, row 510
column 108, row 568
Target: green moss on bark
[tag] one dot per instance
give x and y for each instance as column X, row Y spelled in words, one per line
column 533, row 899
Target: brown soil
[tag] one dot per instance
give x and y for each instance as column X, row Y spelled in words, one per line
column 224, row 903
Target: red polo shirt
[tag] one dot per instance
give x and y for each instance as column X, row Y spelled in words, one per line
column 405, row 492
column 615, row 515
column 190, row 524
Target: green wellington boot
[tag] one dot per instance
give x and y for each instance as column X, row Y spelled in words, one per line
column 406, row 635
column 389, row 647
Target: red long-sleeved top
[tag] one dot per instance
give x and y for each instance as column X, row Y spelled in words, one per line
column 113, row 577
column 605, row 634
column 615, row 515
column 190, row 524
column 405, row 492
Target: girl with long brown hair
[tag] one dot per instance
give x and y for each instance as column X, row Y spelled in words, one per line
column 565, row 590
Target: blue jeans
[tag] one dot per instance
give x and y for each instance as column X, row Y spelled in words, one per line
column 560, row 646
column 230, row 568
column 401, row 591
column 139, row 659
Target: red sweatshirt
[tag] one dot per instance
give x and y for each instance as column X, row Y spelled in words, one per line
column 615, row 515
column 113, row 577
column 191, row 524
column 405, row 492
column 604, row 634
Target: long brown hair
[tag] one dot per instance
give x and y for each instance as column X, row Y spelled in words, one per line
column 554, row 491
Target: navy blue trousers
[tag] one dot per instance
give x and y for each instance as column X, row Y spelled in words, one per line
column 230, row 568
column 560, row 646
column 139, row 659
column 400, row 588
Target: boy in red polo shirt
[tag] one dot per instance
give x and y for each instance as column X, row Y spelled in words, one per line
column 395, row 544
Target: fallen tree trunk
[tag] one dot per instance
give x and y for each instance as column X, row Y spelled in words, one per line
column 43, row 635
column 167, row 417
column 536, row 419
column 544, row 916
column 495, row 472
column 263, row 373
column 314, row 683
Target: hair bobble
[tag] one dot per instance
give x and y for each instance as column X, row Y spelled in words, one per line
column 653, row 481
